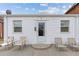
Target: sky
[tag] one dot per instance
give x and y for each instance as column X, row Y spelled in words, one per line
column 35, row 8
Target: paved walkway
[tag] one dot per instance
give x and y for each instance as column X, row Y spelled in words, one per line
column 29, row 51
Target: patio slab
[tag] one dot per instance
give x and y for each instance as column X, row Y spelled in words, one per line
column 29, row 51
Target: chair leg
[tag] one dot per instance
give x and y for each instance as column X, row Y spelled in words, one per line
column 19, row 46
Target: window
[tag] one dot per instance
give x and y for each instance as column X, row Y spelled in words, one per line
column 41, row 29
column 17, row 25
column 64, row 25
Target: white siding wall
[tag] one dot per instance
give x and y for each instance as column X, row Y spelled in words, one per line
column 52, row 31
column 77, row 29
column 27, row 28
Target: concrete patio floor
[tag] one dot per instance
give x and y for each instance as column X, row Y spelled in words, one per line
column 29, row 51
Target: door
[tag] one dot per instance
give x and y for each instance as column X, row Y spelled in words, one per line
column 40, row 31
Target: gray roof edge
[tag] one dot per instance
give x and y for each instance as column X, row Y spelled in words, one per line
column 37, row 15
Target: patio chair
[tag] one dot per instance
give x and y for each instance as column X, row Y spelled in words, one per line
column 59, row 44
column 72, row 44
column 9, row 43
column 22, row 42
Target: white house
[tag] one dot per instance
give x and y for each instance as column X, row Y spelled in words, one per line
column 39, row 28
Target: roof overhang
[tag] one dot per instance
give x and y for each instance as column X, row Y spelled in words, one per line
column 39, row 15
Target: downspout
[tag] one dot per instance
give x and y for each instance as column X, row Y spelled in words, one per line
column 76, row 28
column 5, row 29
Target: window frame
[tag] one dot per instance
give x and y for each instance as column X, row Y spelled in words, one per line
column 14, row 26
column 66, row 25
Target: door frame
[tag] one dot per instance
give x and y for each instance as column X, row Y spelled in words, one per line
column 45, row 26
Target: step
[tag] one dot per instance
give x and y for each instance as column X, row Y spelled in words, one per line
column 41, row 46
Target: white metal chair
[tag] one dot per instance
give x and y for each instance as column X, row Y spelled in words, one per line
column 59, row 44
column 22, row 42
column 9, row 43
column 73, row 44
